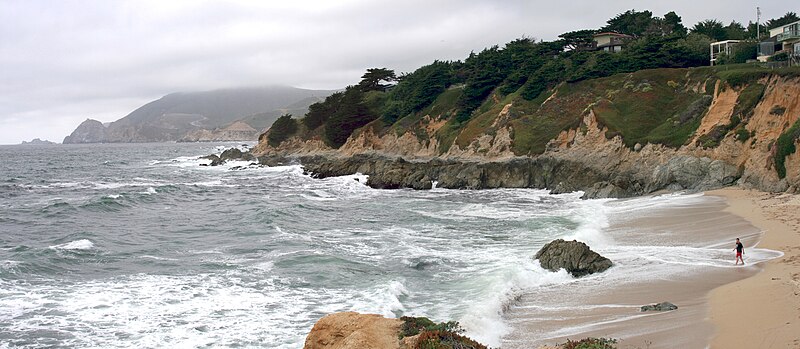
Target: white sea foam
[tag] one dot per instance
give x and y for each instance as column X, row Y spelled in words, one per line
column 593, row 218
column 82, row 244
column 383, row 299
column 484, row 321
column 8, row 264
column 157, row 258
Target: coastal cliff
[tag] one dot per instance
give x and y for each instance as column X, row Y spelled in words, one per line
column 627, row 134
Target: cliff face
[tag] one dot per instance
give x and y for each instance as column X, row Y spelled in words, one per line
column 234, row 132
column 624, row 135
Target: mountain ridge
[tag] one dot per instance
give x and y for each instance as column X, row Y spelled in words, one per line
column 174, row 116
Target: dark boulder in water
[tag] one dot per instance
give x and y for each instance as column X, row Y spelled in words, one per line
column 236, row 154
column 574, row 256
column 229, row 154
column 215, row 160
column 663, row 306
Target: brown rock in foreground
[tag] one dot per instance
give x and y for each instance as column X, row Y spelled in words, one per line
column 352, row 330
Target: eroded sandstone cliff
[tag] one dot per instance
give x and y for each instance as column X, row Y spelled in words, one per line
column 625, row 135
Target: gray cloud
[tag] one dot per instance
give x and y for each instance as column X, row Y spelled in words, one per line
column 64, row 61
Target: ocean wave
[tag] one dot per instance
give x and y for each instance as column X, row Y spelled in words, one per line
column 484, row 320
column 385, row 299
column 82, row 245
column 56, row 207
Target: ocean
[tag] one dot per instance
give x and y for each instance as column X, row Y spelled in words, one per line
column 138, row 246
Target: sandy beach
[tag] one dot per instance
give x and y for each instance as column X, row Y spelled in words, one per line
column 762, row 311
column 677, row 253
column 727, row 306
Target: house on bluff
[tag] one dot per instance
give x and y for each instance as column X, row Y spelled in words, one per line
column 782, row 39
column 610, row 41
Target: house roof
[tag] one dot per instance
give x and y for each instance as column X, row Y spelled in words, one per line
column 785, row 25
column 726, row 42
column 612, row 34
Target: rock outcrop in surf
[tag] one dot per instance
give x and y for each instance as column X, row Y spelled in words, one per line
column 573, row 256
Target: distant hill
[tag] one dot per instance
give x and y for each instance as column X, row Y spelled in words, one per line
column 196, row 116
column 37, row 141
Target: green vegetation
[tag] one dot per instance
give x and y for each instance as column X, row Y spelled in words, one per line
column 591, row 343
column 283, row 128
column 785, row 146
column 373, row 78
column 777, row 110
column 351, row 113
column 444, row 335
column 419, row 89
column 659, row 104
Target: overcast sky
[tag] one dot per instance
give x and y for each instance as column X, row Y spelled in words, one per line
column 62, row 62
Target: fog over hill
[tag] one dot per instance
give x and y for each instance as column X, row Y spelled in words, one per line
column 176, row 115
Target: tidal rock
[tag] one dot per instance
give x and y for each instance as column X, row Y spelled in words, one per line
column 663, row 306
column 215, row 160
column 574, row 256
column 231, row 154
column 236, row 154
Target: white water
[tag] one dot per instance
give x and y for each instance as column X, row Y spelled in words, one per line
column 213, row 256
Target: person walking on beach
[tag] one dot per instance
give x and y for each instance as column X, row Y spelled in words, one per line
column 739, row 250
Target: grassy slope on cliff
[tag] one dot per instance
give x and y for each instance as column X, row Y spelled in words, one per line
column 549, row 87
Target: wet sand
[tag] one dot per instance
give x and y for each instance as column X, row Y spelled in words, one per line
column 677, row 254
column 762, row 311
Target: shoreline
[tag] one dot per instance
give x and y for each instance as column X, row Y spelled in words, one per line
column 762, row 311
column 674, row 252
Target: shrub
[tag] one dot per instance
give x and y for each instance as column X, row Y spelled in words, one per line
column 351, row 114
column 591, row 343
column 785, row 146
column 444, row 335
column 320, row 112
column 283, row 128
column 780, row 57
column 412, row 326
column 777, row 110
column 446, row 340
column 742, row 134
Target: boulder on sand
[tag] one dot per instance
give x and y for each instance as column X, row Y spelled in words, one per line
column 663, row 306
column 573, row 256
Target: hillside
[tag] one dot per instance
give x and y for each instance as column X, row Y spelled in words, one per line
column 625, row 109
column 627, row 134
column 201, row 115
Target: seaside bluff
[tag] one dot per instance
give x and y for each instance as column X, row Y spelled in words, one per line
column 733, row 126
